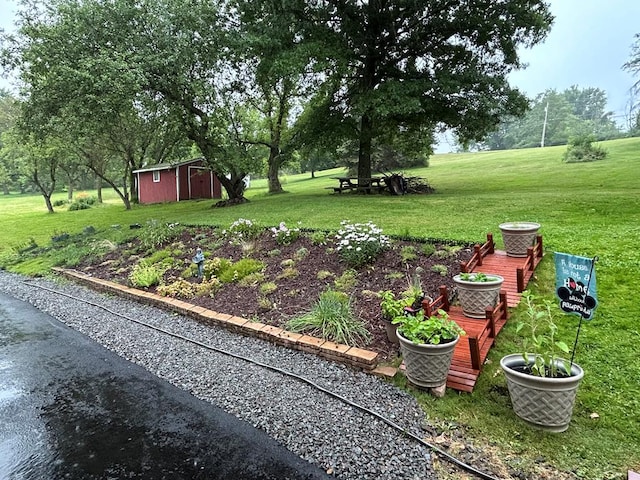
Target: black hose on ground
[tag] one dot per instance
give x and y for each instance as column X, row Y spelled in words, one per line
column 450, row 458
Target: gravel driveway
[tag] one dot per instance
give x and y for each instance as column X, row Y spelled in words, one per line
column 341, row 439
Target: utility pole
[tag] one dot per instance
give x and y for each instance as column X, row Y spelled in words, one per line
column 544, row 125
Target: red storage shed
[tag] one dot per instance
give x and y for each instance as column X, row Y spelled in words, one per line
column 172, row 182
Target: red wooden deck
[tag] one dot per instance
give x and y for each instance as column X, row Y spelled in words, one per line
column 472, row 350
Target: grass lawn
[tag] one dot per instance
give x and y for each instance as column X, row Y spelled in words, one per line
column 585, row 209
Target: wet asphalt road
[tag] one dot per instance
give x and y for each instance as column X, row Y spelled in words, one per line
column 69, row 408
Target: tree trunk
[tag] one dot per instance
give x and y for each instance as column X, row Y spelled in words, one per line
column 99, row 188
column 234, row 187
column 70, row 192
column 364, row 152
column 47, row 201
column 121, row 193
column 5, row 188
column 274, row 167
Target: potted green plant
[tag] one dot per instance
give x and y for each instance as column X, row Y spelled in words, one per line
column 477, row 291
column 410, row 301
column 427, row 346
column 542, row 385
column 518, row 237
column 392, row 308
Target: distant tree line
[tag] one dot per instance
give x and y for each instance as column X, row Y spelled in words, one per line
column 554, row 118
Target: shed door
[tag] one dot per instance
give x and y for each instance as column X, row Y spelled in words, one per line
column 199, row 183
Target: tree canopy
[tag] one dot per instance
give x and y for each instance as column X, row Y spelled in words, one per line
column 397, row 65
column 236, row 77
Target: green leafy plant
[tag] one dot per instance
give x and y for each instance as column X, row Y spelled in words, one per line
column 300, row 254
column 360, row 243
column 541, row 341
column 391, row 306
column 478, row 277
column 268, row 288
column 144, row 275
column 324, row 274
column 428, row 249
column 155, row 233
column 435, row 330
column 240, row 269
column 184, row 289
column 332, row 318
column 441, row 269
column 581, row 149
column 318, row 238
column 408, row 253
column 347, row 281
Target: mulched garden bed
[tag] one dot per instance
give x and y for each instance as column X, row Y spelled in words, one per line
column 299, row 287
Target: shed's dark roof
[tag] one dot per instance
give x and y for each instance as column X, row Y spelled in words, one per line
column 167, row 166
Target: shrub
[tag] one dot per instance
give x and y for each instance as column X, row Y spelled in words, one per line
column 155, row 233
column 288, row 272
column 580, row 149
column 347, row 281
column 300, row 254
column 159, row 256
column 82, row 202
column 268, row 287
column 145, row 275
column 240, row 269
column 285, row 235
column 332, row 318
column 440, row 269
column 59, row 203
column 251, row 280
column 360, row 243
column 318, row 238
column 408, row 253
column 324, row 274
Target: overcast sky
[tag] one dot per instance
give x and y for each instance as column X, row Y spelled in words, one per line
column 588, row 44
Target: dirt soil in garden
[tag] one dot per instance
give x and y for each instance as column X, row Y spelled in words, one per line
column 313, row 268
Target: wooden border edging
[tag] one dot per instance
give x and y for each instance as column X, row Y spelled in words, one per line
column 353, row 356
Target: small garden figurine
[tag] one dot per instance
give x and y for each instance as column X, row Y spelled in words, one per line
column 198, row 259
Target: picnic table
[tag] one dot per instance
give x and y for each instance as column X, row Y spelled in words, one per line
column 351, row 184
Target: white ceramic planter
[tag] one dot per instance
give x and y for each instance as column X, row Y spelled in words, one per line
column 544, row 402
column 518, row 237
column 475, row 297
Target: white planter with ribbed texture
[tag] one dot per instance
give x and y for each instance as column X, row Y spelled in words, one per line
column 475, row 296
column 518, row 237
column 544, row 402
column 427, row 365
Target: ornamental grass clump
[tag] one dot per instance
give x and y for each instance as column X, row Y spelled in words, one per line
column 332, row 318
column 360, row 243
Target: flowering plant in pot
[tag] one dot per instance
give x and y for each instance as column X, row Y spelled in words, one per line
column 427, row 346
column 542, row 385
column 477, row 291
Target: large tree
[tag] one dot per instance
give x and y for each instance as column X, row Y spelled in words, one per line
column 396, row 64
column 77, row 87
column 275, row 73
